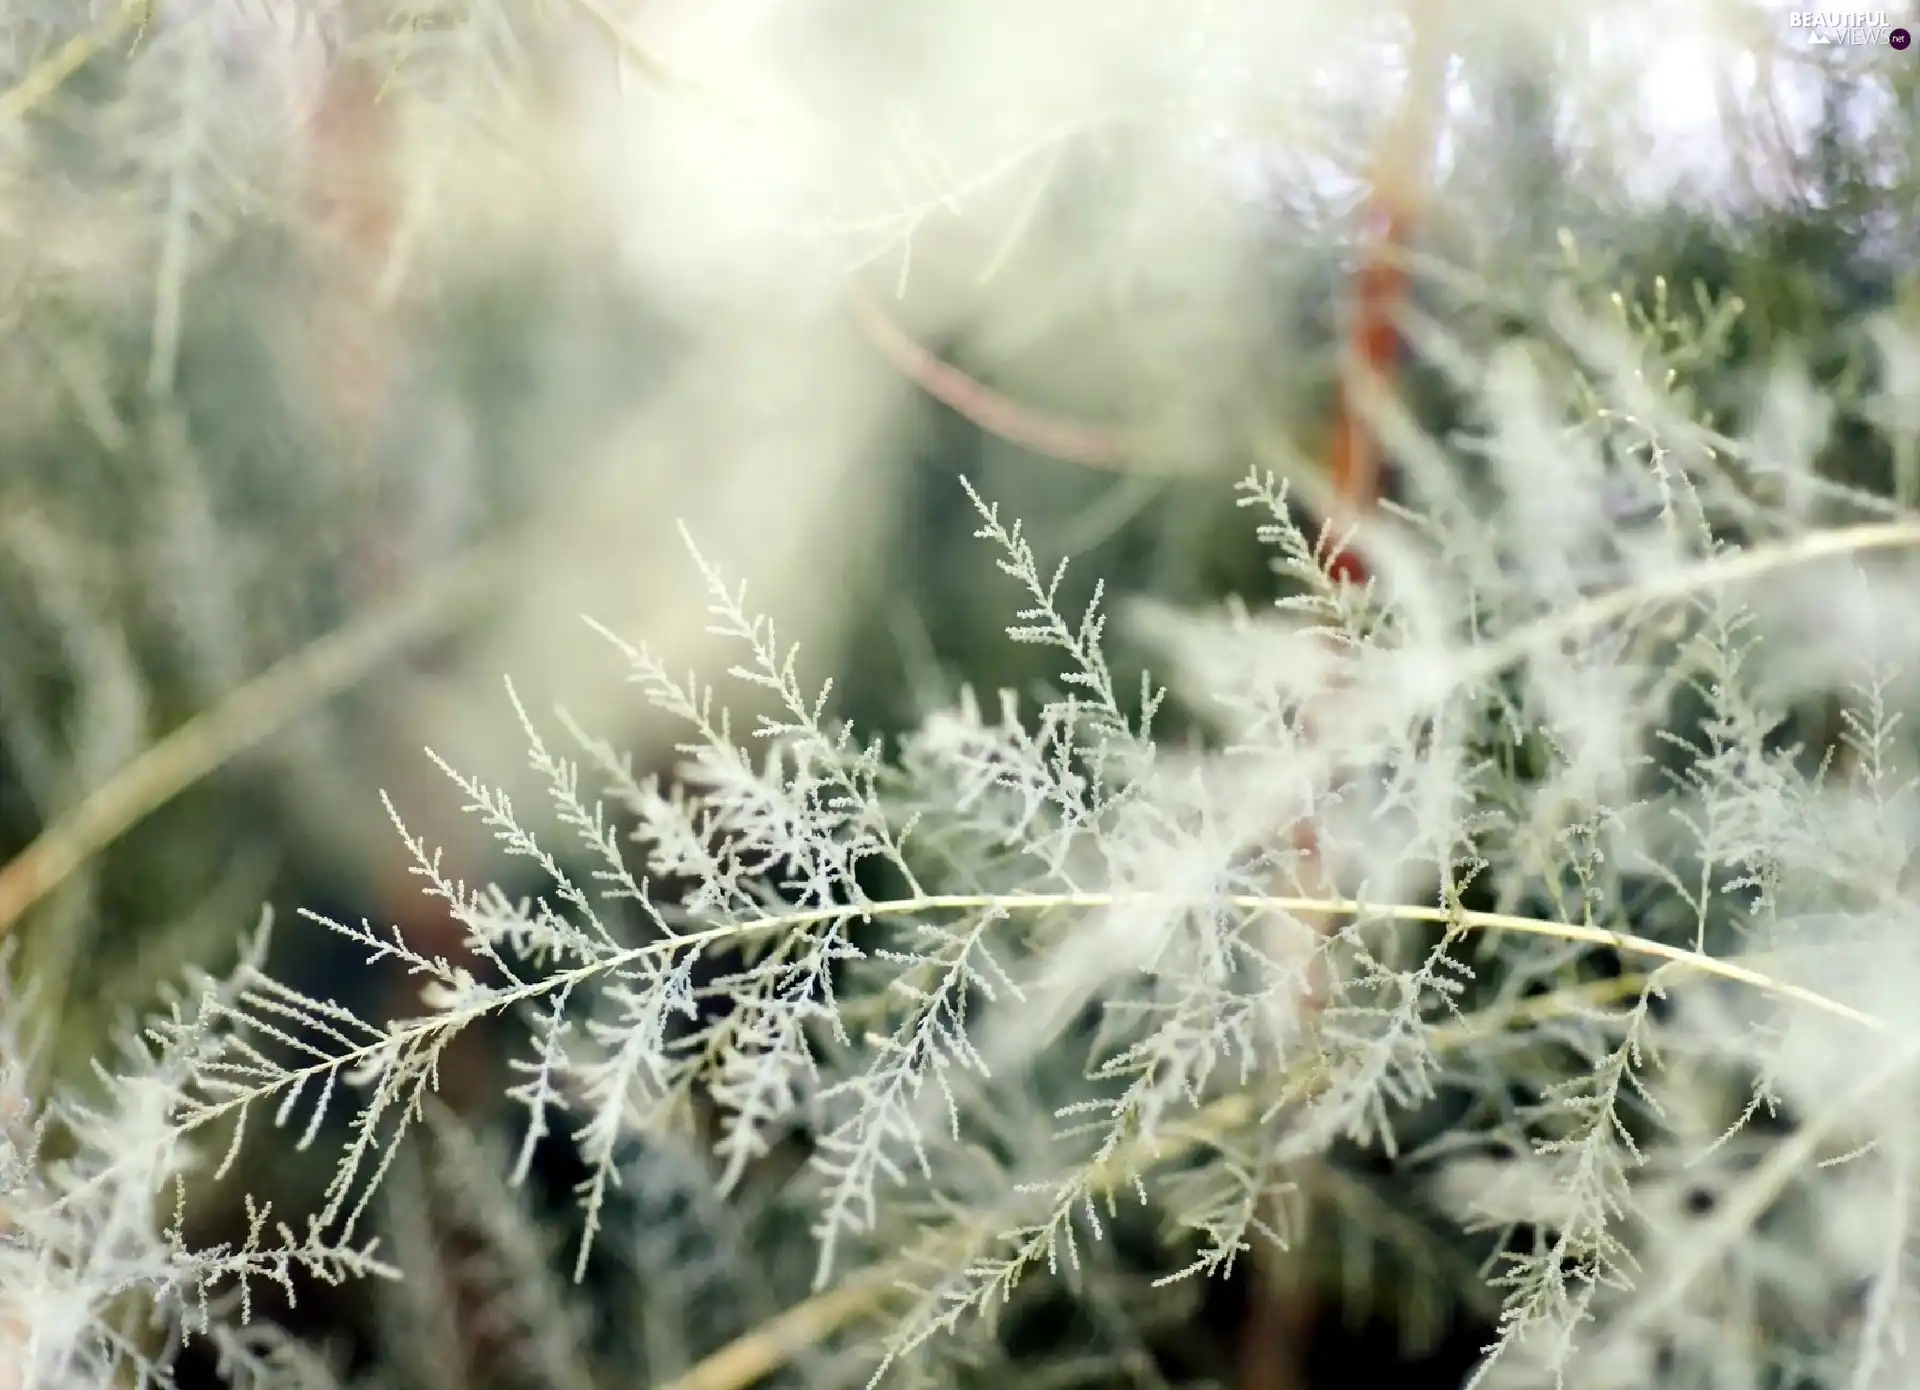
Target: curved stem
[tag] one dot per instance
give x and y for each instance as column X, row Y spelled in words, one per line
column 52, row 72
column 987, row 409
column 245, row 718
column 408, row 1032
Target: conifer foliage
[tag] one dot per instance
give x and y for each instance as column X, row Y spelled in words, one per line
column 1556, row 862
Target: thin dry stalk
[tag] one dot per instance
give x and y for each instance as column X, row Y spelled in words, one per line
column 244, row 719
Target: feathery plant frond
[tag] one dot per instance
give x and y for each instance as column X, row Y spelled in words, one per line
column 1147, row 937
column 93, row 1259
column 1562, row 867
column 1146, row 922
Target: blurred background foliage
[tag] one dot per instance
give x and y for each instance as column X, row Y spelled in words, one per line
column 245, row 403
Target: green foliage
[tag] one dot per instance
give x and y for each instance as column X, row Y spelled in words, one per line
column 1522, row 936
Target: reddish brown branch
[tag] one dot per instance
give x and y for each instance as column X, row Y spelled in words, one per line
column 983, row 406
column 1400, row 179
column 1272, row 1342
column 1354, row 467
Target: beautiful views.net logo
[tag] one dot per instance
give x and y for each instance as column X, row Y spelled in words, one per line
column 1851, row 27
